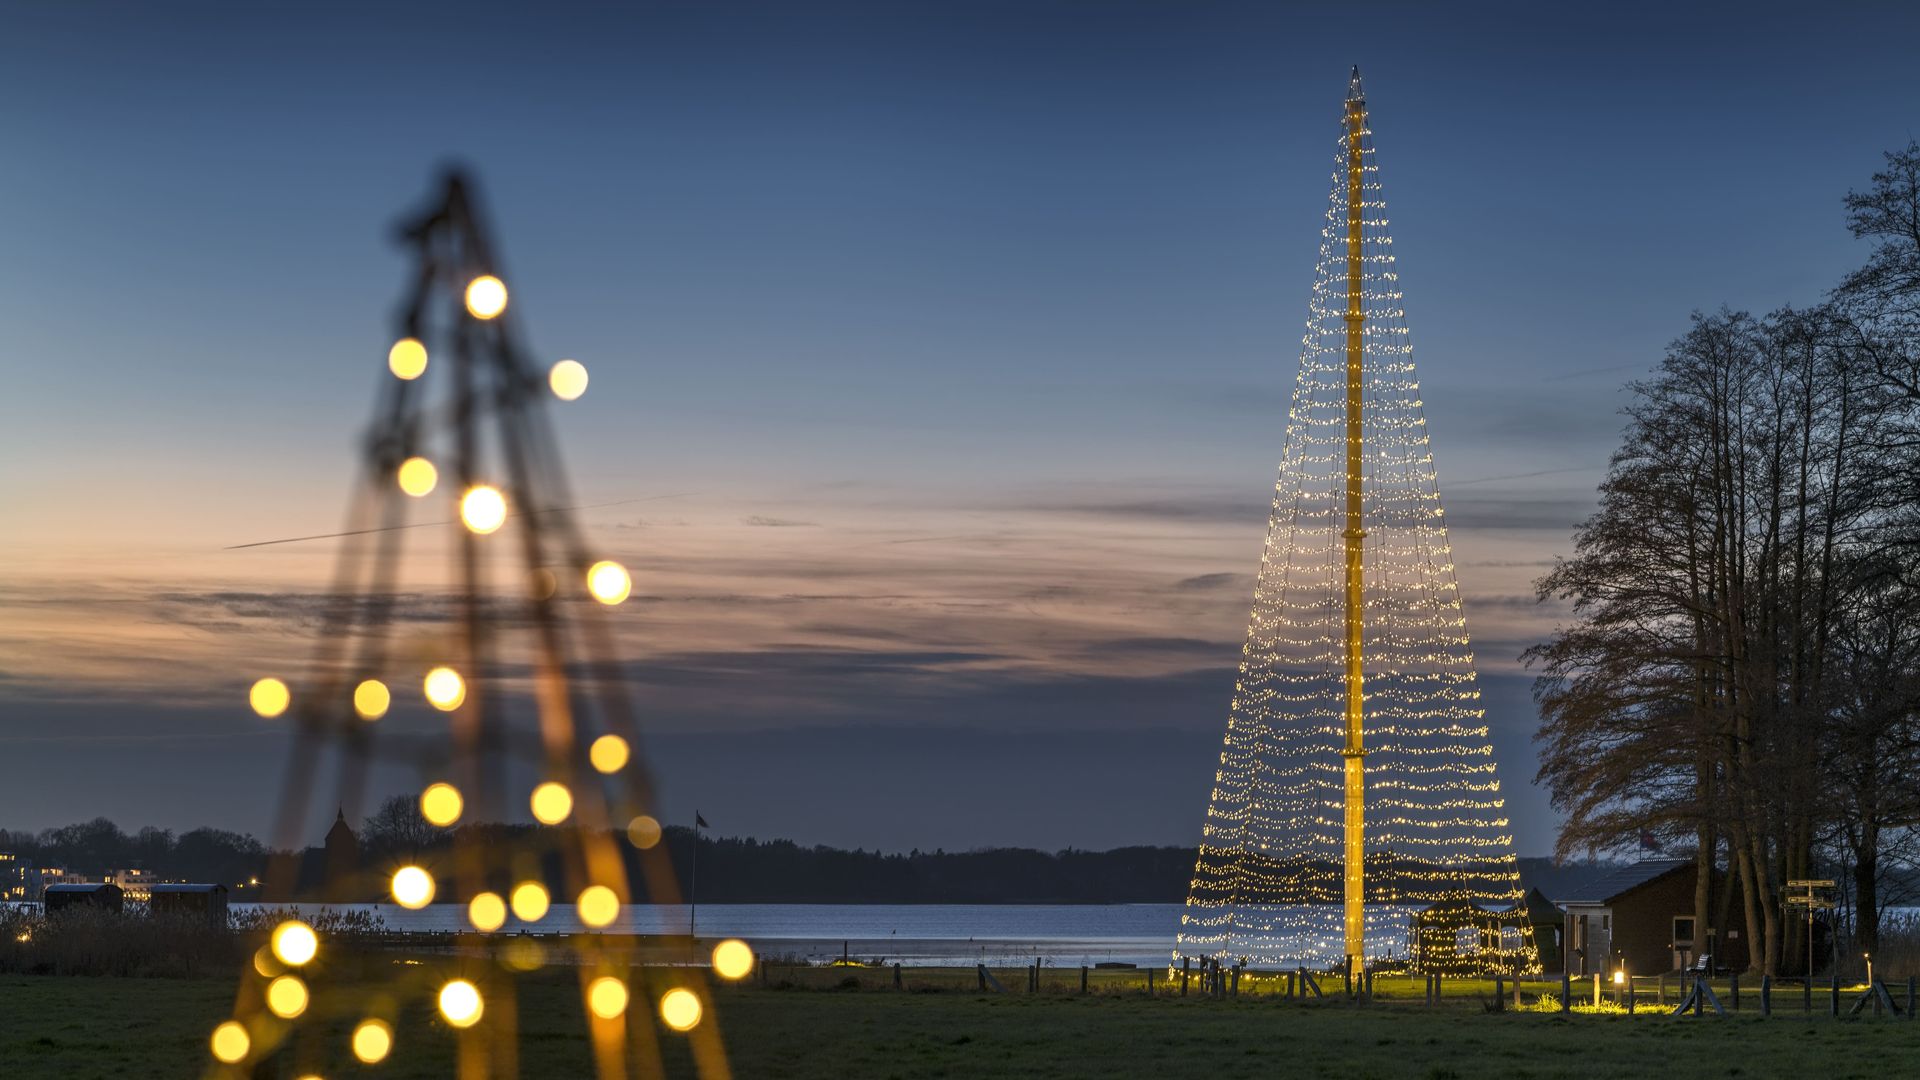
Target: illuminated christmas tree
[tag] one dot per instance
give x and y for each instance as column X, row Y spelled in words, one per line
column 1356, row 811
column 507, row 699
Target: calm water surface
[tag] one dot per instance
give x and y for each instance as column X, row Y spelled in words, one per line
column 913, row 934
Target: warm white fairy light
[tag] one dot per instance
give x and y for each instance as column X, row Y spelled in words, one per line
column 1268, row 883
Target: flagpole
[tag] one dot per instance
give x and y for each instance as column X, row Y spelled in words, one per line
column 693, row 883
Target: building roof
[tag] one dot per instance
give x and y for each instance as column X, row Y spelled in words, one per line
column 1617, row 883
column 90, row 887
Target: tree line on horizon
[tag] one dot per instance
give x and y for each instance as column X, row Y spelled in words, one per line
column 739, row 870
column 1741, row 675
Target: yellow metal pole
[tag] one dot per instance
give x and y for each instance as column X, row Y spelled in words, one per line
column 1354, row 753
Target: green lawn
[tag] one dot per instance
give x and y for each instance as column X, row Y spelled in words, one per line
column 86, row 1027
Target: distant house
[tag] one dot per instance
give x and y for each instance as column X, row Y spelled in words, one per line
column 98, row 896
column 208, row 902
column 134, row 884
column 50, row 876
column 1641, row 917
column 17, row 878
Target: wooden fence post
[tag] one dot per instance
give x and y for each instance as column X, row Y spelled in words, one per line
column 1186, row 963
column 1499, row 994
column 1083, row 978
column 1806, row 995
column 1733, row 990
column 1346, row 975
column 1833, row 995
column 1236, row 978
column 1911, row 986
column 1629, row 982
column 896, row 976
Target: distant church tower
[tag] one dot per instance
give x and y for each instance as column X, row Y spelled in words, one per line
column 343, row 859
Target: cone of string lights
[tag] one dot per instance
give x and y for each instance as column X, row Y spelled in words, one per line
column 495, row 690
column 1356, row 812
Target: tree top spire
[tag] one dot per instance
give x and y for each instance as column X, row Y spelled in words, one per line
column 1354, row 90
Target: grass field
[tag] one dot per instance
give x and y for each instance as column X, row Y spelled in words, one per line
column 87, row 1027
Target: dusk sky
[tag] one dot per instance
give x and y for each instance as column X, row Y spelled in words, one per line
column 949, row 348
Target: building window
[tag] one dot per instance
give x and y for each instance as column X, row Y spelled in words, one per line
column 1683, row 929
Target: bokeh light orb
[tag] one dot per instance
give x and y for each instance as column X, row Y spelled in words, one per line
column 551, row 803
column 607, row 997
column 407, row 359
column 441, row 804
column 732, row 959
column 530, row 901
column 372, row 1041
column 230, row 1042
column 445, row 689
column 568, row 380
column 609, row 582
column 287, row 997
column 680, row 1009
column 294, row 942
column 597, row 906
column 266, row 963
column 417, row 476
column 643, row 831
column 460, row 1003
column 487, row 912
column 609, row 754
column 269, row 697
column 483, row 509
column 371, row 699
column 486, row 297
column 412, row 887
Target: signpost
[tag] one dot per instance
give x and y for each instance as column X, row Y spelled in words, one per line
column 1807, row 899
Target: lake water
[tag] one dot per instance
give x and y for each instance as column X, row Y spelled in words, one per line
column 927, row 935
